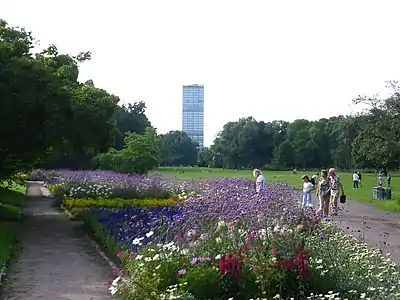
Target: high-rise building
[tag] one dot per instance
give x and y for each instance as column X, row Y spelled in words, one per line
column 193, row 112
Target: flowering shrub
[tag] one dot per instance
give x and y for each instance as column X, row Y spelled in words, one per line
column 108, row 184
column 71, row 203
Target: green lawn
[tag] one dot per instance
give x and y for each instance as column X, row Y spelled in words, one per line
column 364, row 194
column 11, row 201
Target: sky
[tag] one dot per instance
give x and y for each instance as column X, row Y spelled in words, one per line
column 273, row 60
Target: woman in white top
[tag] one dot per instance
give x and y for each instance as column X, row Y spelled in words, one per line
column 307, row 188
column 260, row 180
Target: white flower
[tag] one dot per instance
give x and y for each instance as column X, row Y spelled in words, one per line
column 156, row 257
column 149, row 234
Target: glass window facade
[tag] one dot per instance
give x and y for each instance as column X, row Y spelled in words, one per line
column 193, row 112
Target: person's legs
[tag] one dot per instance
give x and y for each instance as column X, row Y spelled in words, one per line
column 321, row 203
column 309, row 199
column 325, row 205
column 334, row 200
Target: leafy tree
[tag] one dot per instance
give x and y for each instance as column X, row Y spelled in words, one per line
column 178, row 149
column 140, row 154
column 378, row 139
column 91, row 127
column 36, row 108
column 130, row 118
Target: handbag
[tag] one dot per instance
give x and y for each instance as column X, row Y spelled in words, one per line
column 343, row 199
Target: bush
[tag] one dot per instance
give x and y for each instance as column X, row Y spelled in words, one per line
column 70, row 203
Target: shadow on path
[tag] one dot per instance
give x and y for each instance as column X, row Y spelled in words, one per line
column 57, row 261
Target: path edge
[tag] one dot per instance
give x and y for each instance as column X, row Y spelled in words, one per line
column 46, row 193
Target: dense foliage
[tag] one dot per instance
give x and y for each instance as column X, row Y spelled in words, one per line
column 140, row 153
column 49, row 118
column 224, row 241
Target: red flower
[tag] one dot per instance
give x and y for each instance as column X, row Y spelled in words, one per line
column 287, row 263
column 301, row 262
column 228, row 265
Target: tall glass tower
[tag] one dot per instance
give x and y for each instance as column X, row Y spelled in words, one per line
column 193, row 112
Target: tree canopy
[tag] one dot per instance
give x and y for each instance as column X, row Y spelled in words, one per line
column 49, row 118
column 370, row 139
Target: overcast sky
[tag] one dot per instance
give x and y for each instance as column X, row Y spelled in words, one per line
column 266, row 59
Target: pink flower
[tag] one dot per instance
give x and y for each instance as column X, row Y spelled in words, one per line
column 182, row 272
column 121, row 254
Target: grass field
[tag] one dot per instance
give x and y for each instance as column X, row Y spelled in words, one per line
column 11, row 201
column 363, row 194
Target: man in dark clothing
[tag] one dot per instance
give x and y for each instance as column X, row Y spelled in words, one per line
column 359, row 179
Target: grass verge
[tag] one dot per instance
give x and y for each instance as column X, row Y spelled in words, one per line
column 12, row 197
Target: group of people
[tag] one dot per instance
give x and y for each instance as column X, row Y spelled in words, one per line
column 381, row 178
column 328, row 188
column 356, row 180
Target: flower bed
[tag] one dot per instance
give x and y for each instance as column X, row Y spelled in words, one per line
column 223, row 241
column 71, row 203
column 228, row 243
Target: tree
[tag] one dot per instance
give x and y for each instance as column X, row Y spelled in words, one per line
column 378, row 140
column 91, row 127
column 130, row 118
column 140, row 154
column 35, row 104
column 177, row 148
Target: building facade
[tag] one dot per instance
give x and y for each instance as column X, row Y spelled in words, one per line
column 193, row 112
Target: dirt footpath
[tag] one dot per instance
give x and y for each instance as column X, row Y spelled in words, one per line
column 57, row 261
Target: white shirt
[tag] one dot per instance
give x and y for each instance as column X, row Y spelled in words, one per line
column 307, row 187
column 260, row 183
column 355, row 177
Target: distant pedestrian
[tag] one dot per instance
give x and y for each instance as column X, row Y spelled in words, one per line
column 336, row 188
column 388, row 181
column 359, row 179
column 324, row 193
column 307, row 188
column 355, row 181
column 260, row 180
column 380, row 179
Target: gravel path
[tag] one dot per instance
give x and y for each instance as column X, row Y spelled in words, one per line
column 57, row 261
column 379, row 229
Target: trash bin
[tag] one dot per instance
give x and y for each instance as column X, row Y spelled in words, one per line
column 387, row 193
column 378, row 193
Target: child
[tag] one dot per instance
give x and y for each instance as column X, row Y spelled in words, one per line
column 307, row 188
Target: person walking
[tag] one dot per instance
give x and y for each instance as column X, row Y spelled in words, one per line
column 356, row 179
column 388, row 181
column 324, row 193
column 336, row 188
column 359, row 179
column 260, row 180
column 307, row 188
